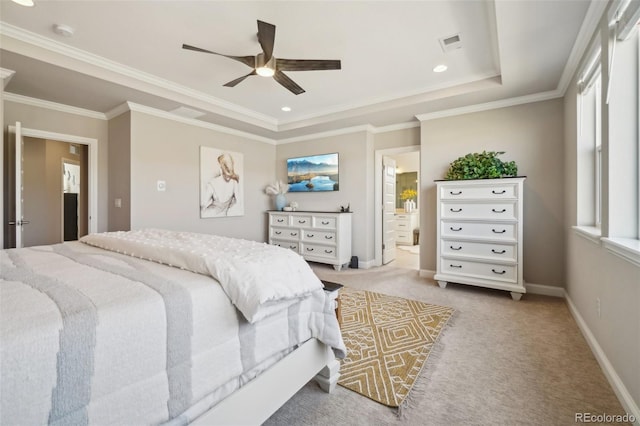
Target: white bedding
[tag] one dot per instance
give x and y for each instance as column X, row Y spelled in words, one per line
column 259, row 278
column 89, row 336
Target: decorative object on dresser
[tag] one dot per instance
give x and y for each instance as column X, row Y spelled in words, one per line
column 484, row 165
column 278, row 189
column 323, row 237
column 405, row 224
column 479, row 233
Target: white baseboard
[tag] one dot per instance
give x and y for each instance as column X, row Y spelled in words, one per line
column 426, row 273
column 367, row 264
column 545, row 290
column 629, row 405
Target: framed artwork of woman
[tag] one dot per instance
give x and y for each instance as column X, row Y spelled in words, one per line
column 221, row 183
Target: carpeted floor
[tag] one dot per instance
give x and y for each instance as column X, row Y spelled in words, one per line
column 501, row 363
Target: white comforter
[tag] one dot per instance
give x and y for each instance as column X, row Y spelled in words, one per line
column 259, row 278
column 90, row 336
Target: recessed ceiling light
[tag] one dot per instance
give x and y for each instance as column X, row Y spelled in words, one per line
column 440, row 68
column 63, row 30
column 28, row 3
column 286, row 108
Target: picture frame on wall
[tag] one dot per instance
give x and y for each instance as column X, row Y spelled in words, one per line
column 221, row 183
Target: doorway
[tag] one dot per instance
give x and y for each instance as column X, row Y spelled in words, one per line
column 37, row 182
column 406, row 220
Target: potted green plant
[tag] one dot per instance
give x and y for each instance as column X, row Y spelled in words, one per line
column 484, row 165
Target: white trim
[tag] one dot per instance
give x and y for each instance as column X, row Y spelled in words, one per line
column 395, row 127
column 26, row 100
column 377, row 196
column 545, row 290
column 616, row 383
column 103, row 64
column 92, row 143
column 120, row 109
column 194, row 122
column 625, row 248
column 367, row 264
column 587, row 29
column 6, row 76
column 501, row 103
column 590, row 233
column 327, row 134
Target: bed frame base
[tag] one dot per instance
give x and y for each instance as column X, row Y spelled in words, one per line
column 259, row 399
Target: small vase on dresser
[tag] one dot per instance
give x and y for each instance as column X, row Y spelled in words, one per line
column 479, row 233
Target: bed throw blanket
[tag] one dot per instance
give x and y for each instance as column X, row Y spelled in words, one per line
column 259, row 279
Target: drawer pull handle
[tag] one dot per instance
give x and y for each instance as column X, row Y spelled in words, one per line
column 309, row 249
column 455, row 248
column 498, row 192
column 278, row 232
column 302, row 221
column 402, row 224
column 328, row 237
column 455, row 229
column 498, row 252
column 309, row 235
column 456, row 210
column 325, row 223
column 498, row 211
column 328, row 251
column 293, row 247
column 280, row 220
column 499, row 232
column 498, row 272
column 455, row 193
column 455, row 266
column 294, row 234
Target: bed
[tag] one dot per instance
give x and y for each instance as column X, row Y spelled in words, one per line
column 160, row 327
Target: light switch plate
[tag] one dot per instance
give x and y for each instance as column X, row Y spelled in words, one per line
column 162, row 185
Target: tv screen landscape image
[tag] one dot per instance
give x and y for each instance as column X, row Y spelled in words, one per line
column 313, row 173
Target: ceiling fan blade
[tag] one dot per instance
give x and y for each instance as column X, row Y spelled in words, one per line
column 291, row 85
column 232, row 83
column 307, row 64
column 266, row 37
column 247, row 60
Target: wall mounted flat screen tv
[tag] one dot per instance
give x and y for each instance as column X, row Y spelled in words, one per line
column 313, row 173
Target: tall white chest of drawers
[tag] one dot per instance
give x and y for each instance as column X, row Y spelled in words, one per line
column 479, row 233
column 323, row 237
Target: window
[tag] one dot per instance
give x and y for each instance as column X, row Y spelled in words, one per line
column 590, row 144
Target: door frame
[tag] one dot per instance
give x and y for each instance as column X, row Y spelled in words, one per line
column 377, row 199
column 92, row 161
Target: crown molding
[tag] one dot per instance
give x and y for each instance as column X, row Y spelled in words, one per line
column 502, row 103
column 394, row 127
column 26, row 100
column 103, row 67
column 131, row 106
column 330, row 133
column 6, row 75
column 589, row 25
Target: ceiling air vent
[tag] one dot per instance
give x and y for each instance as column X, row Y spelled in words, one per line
column 450, row 43
column 187, row 112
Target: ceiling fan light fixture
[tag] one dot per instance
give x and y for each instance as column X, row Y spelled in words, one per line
column 265, row 71
column 440, row 68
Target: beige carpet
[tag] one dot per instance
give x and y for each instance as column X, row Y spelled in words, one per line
column 501, row 363
column 388, row 341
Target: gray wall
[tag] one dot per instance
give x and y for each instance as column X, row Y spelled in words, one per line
column 593, row 272
column 355, row 152
column 120, row 172
column 531, row 135
column 169, row 150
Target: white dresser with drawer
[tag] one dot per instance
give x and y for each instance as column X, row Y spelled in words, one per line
column 405, row 223
column 479, row 233
column 323, row 237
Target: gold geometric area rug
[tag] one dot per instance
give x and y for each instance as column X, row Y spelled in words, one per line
column 388, row 342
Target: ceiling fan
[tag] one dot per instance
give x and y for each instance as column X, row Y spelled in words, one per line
column 266, row 65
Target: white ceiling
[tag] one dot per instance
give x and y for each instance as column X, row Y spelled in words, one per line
column 131, row 51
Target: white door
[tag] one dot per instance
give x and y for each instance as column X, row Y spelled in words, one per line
column 388, row 209
column 19, row 218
